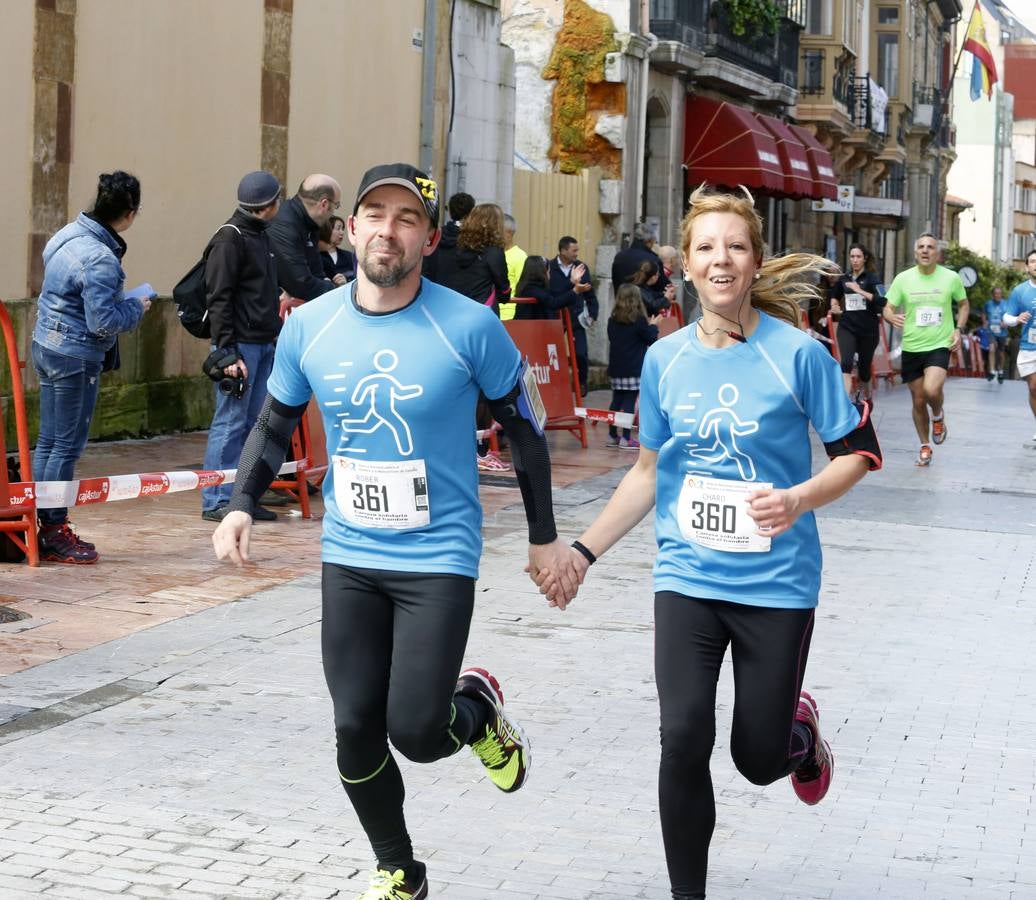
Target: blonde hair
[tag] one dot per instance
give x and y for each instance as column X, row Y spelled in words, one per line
column 629, row 305
column 783, row 281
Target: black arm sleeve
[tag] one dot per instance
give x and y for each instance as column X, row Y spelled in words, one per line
column 862, row 440
column 531, row 464
column 263, row 453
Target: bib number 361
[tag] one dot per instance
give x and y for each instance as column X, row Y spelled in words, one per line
column 713, row 512
column 382, row 494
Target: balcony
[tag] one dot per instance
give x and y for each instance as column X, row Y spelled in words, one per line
column 683, row 21
column 774, row 56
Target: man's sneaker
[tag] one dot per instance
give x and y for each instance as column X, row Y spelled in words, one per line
column 75, row 531
column 924, row 458
column 811, row 780
column 629, row 444
column 938, row 430
column 999, row 377
column 58, row 543
column 492, row 463
column 504, row 749
column 216, row 514
column 612, row 443
column 385, row 885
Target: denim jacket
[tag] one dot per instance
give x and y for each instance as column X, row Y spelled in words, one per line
column 81, row 309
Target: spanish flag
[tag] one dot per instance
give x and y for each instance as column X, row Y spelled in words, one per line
column 983, row 69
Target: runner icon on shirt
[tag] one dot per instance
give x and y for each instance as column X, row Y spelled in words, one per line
column 722, row 424
column 381, row 391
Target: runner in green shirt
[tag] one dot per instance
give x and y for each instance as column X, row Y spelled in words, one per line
column 920, row 301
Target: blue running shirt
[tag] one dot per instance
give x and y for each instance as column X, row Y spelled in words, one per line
column 1023, row 299
column 994, row 311
column 397, row 393
column 740, row 414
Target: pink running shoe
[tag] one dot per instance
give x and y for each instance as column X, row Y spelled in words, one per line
column 492, row 463
column 629, row 444
column 812, row 779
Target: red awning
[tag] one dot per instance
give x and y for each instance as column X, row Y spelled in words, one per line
column 727, row 145
column 798, row 175
column 820, row 160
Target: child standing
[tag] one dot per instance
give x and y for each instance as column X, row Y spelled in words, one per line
column 630, row 333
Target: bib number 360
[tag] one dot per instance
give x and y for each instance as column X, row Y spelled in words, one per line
column 713, row 512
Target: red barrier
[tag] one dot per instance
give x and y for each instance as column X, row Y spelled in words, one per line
column 550, row 349
column 17, row 523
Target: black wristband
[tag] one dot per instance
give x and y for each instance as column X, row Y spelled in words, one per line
column 584, row 551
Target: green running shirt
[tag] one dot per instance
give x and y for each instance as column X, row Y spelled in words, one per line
column 927, row 303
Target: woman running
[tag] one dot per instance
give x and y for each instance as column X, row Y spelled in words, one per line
column 725, row 408
column 860, row 319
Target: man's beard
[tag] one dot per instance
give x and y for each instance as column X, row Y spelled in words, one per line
column 385, row 274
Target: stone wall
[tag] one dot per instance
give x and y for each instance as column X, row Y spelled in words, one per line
column 158, row 389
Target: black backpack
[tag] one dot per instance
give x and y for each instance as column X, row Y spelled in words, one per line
column 189, row 295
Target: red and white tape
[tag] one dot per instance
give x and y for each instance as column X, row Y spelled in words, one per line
column 611, row 416
column 109, row 488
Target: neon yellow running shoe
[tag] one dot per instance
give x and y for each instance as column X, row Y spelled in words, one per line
column 385, row 885
column 504, row 749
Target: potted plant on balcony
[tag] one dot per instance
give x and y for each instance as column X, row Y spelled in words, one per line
column 755, row 16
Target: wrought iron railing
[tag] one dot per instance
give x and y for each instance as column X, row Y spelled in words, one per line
column 685, row 21
column 812, row 80
column 860, row 101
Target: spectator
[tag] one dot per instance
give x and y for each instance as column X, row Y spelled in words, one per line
column 515, row 257
column 672, row 269
column 630, row 333
column 534, row 283
column 243, row 300
column 571, row 286
column 80, row 315
column 294, row 232
column 339, row 265
column 647, row 279
column 459, row 206
column 627, row 262
column 478, row 269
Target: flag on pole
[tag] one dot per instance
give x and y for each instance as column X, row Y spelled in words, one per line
column 983, row 69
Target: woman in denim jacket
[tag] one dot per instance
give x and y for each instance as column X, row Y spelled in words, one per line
column 80, row 314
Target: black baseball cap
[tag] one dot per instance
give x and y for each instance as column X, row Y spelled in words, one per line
column 403, row 175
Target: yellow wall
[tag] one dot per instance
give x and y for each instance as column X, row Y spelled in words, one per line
column 16, row 103
column 355, row 89
column 169, row 92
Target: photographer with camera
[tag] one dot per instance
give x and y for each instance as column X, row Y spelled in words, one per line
column 243, row 301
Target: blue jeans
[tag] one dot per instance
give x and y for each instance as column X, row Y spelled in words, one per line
column 68, row 396
column 234, row 418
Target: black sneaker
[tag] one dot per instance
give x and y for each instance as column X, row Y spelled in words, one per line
column 275, row 498
column 999, row 377
column 216, row 514
column 990, row 376
column 58, row 543
column 262, row 514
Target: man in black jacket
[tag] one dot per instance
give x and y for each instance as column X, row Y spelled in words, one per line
column 459, row 205
column 628, row 262
column 295, row 232
column 243, row 300
column 569, row 282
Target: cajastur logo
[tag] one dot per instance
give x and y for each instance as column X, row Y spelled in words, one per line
column 157, row 483
column 92, row 490
column 27, row 496
column 210, row 479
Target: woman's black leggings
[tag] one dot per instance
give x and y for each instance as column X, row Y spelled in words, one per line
column 768, row 649
column 862, row 347
column 393, row 644
column 623, row 401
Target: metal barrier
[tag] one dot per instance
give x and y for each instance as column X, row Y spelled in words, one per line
column 17, row 522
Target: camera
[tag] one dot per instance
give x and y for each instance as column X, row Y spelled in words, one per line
column 218, row 360
column 233, row 386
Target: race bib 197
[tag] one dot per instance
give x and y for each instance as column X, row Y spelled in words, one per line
column 926, row 316
column 713, row 512
column 382, row 494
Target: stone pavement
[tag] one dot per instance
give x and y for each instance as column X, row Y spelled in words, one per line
column 195, row 758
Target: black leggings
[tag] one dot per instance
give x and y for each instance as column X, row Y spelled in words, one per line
column 851, row 344
column 622, row 401
column 393, row 643
column 769, row 649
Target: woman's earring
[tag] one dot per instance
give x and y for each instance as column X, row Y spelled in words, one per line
column 757, row 276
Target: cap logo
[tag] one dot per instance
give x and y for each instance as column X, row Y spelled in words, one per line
column 429, row 190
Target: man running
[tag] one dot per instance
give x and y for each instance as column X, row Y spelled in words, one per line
column 926, row 293
column 1021, row 310
column 992, row 318
column 402, row 524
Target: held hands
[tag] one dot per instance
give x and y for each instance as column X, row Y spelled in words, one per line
column 338, row 280
column 557, row 570
column 774, row 511
column 231, row 538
